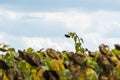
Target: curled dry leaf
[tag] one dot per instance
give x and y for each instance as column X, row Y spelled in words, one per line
column 53, row 54
column 4, row 65
column 117, row 46
column 51, row 75
column 33, row 60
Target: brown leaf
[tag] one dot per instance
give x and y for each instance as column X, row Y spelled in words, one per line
column 78, row 59
column 21, row 54
column 117, row 46
column 4, row 65
column 32, row 59
column 67, row 35
column 51, row 75
column 53, row 54
column 104, row 63
column 3, row 50
column 104, row 49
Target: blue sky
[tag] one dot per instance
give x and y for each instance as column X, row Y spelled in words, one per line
column 43, row 23
column 58, row 4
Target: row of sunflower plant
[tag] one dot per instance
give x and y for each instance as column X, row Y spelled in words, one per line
column 51, row 64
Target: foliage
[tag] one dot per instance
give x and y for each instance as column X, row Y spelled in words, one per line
column 50, row 64
column 78, row 41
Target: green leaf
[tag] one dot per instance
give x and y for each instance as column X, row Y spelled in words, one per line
column 29, row 50
column 24, row 67
column 65, row 56
column 41, row 54
column 46, row 64
column 78, row 42
column 21, row 64
column 81, row 49
column 11, row 49
column 5, row 46
column 7, row 55
column 77, row 47
column 9, row 58
column 91, row 74
column 81, row 40
column 115, row 51
column 1, row 72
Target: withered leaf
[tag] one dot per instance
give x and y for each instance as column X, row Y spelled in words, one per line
column 77, row 59
column 4, row 65
column 32, row 59
column 117, row 46
column 21, row 54
column 51, row 75
column 53, row 54
column 67, row 35
column 104, row 63
column 19, row 77
column 118, row 56
column 92, row 54
column 3, row 50
column 104, row 49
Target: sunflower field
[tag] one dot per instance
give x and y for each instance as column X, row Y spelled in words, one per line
column 51, row 64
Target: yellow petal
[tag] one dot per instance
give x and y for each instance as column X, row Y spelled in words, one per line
column 5, row 77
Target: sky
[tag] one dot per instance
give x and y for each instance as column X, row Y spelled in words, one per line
column 43, row 23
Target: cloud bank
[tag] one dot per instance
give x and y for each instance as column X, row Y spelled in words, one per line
column 95, row 27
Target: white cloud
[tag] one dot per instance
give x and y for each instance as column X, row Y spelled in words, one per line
column 10, row 15
column 91, row 26
column 79, row 20
column 92, row 41
column 74, row 20
column 114, row 40
column 70, row 19
column 100, row 21
column 19, row 42
column 38, row 43
column 2, row 37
